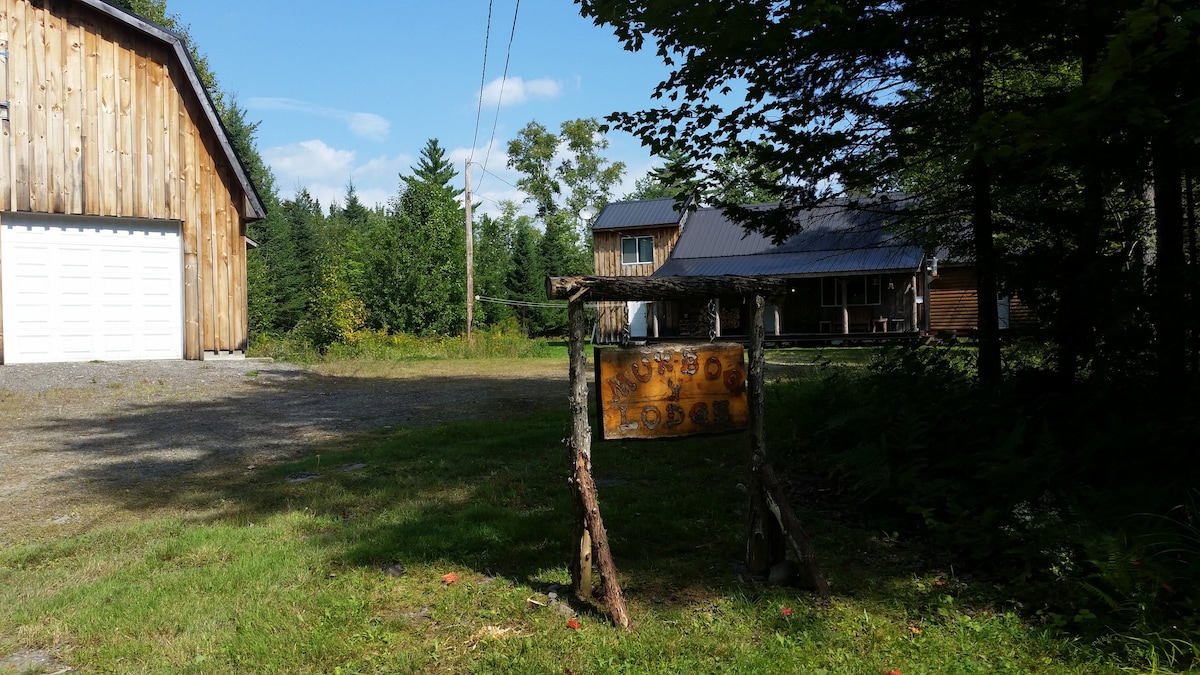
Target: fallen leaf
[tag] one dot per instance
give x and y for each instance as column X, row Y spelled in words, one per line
column 450, row 578
column 573, row 624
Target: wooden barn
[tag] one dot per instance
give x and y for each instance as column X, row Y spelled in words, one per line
column 123, row 205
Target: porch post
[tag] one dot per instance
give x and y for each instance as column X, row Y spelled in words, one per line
column 845, row 307
column 916, row 325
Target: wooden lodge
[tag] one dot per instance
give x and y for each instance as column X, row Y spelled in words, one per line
column 123, row 205
column 852, row 275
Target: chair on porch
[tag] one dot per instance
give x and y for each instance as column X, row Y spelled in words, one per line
column 860, row 319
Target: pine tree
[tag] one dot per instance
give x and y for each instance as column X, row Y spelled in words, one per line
column 526, row 278
column 494, row 261
column 353, row 209
column 434, row 169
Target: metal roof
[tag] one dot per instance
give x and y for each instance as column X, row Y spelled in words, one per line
column 640, row 213
column 833, row 240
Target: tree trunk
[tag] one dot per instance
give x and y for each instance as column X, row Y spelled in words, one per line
column 1083, row 282
column 1169, row 270
column 982, row 224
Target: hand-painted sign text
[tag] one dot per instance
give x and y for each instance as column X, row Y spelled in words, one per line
column 665, row 391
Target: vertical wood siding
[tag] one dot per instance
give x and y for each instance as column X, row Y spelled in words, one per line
column 103, row 121
column 606, row 253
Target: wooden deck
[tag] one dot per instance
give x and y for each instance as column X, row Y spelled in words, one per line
column 802, row 339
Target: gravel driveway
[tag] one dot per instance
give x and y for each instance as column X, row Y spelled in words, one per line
column 72, row 433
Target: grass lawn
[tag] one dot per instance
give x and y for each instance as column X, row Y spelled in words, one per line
column 264, row 574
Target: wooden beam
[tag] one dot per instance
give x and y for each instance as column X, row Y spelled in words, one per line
column 662, row 288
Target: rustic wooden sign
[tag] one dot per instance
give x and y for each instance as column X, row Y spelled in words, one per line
column 666, row 391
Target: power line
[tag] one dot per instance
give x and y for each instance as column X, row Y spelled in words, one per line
column 520, row 303
column 497, row 176
column 503, row 81
column 487, row 36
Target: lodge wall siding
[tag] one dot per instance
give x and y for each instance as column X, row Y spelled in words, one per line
column 606, row 245
column 953, row 303
column 104, row 121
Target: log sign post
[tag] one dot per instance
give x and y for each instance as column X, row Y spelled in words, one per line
column 673, row 391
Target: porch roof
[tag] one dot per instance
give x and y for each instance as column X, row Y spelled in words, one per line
column 832, row 240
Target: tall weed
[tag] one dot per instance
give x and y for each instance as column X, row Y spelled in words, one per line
column 504, row 340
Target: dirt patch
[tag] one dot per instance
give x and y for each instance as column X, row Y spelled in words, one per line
column 74, row 433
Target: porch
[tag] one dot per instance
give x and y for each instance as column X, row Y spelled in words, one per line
column 854, row 308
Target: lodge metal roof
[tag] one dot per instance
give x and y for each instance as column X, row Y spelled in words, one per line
column 640, row 213
column 834, row 239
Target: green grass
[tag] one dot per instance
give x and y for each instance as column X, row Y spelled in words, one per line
column 249, row 572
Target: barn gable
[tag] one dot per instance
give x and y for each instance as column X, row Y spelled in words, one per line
column 121, row 196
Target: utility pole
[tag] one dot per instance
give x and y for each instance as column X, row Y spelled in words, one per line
column 470, row 259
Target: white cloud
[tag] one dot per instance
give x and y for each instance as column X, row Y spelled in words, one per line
column 362, row 124
column 515, row 91
column 307, row 161
column 326, row 171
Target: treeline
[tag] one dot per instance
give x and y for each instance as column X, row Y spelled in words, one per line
column 401, row 267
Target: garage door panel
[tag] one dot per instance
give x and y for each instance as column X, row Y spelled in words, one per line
column 82, row 290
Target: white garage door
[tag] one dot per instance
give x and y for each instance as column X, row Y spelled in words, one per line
column 80, row 289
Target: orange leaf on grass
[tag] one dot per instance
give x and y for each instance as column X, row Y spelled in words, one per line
column 450, row 578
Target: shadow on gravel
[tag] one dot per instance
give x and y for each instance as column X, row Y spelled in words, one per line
column 475, row 465
column 466, row 473
column 159, row 446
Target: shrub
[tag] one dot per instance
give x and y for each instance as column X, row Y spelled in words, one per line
column 1032, row 481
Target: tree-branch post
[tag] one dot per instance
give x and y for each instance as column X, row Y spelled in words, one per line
column 588, row 536
column 773, row 525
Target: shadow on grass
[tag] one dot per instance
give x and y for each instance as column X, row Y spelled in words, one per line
column 433, row 489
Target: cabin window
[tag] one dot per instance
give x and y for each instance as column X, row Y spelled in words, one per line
column 859, row 290
column 636, row 250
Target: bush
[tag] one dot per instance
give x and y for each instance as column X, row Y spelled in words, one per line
column 1031, row 481
column 504, row 340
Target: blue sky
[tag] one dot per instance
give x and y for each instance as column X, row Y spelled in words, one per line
column 351, row 90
